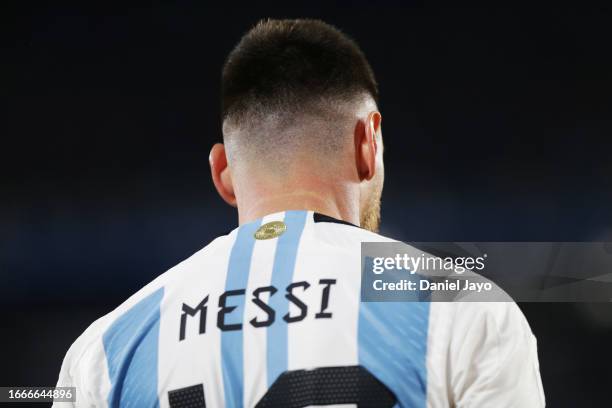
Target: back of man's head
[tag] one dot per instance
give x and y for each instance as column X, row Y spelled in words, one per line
column 291, row 89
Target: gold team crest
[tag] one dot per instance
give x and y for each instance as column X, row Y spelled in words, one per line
column 270, row 230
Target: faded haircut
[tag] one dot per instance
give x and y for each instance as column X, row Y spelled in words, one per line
column 290, row 85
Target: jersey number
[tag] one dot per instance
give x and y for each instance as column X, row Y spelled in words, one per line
column 301, row 388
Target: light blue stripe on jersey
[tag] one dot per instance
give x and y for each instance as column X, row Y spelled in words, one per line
column 231, row 341
column 393, row 347
column 131, row 348
column 282, row 275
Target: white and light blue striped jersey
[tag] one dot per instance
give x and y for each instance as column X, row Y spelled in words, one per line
column 278, row 322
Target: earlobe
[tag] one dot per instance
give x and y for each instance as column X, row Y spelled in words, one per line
column 221, row 175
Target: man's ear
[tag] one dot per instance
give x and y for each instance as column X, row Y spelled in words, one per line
column 366, row 145
column 221, row 175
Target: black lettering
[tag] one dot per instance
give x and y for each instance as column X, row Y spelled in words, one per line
column 224, row 309
column 263, row 306
column 188, row 311
column 325, row 299
column 293, row 299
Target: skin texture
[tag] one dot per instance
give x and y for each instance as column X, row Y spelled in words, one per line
column 347, row 186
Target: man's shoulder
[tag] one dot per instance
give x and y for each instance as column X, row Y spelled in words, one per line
column 90, row 342
column 468, row 321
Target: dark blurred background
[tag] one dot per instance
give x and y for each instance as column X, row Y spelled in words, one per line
column 497, row 125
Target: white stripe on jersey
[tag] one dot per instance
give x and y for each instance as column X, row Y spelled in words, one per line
column 173, row 340
column 255, row 339
column 333, row 346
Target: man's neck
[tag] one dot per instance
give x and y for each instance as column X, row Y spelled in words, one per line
column 335, row 205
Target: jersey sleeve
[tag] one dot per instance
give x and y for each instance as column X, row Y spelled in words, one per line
column 493, row 358
column 84, row 368
column 70, row 377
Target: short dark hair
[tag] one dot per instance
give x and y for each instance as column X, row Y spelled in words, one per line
column 290, row 63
